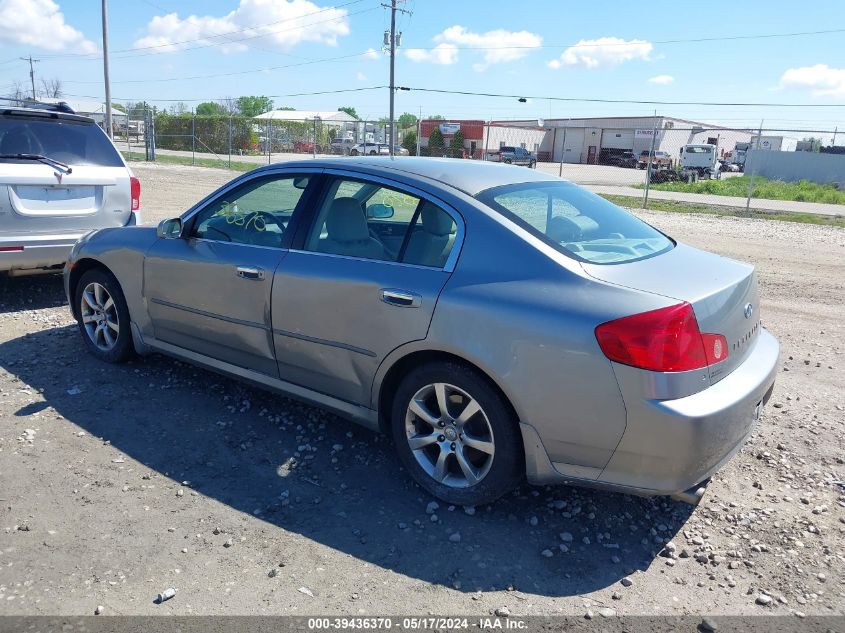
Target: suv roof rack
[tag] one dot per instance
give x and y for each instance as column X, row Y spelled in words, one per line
column 61, row 106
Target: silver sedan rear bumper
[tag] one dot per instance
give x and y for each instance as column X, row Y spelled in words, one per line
column 672, row 447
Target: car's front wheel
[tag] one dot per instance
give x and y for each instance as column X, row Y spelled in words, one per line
column 103, row 316
column 456, row 435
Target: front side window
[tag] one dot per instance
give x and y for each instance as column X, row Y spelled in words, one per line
column 576, row 222
column 258, row 212
column 371, row 221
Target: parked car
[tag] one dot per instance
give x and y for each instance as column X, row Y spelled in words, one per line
column 369, row 149
column 342, row 145
column 623, row 159
column 398, row 150
column 658, row 160
column 306, row 147
column 60, row 177
column 596, row 351
column 513, row 155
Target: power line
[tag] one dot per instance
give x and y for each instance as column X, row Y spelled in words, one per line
column 230, row 74
column 728, row 38
column 627, row 101
column 294, row 94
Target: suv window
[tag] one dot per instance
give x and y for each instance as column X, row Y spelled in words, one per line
column 258, row 212
column 370, row 221
column 577, row 223
column 69, row 141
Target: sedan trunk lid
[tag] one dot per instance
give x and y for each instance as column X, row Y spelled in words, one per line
column 723, row 294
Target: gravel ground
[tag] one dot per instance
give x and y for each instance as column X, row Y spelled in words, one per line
column 121, row 481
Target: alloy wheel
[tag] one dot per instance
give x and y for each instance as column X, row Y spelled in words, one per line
column 99, row 316
column 449, row 435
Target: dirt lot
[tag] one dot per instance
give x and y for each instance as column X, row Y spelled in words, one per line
column 121, row 481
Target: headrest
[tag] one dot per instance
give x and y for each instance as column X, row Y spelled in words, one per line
column 346, row 221
column 435, row 220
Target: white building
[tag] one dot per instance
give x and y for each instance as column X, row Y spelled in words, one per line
column 594, row 140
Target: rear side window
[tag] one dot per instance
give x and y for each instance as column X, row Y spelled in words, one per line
column 71, row 142
column 576, row 222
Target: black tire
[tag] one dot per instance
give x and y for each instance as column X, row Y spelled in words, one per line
column 353, row 152
column 123, row 348
column 507, row 469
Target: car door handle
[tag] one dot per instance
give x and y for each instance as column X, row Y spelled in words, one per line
column 401, row 298
column 250, row 272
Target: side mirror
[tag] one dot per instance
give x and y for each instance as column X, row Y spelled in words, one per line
column 170, row 229
column 379, row 211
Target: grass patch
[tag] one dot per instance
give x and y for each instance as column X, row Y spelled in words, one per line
column 676, row 206
column 802, row 191
column 198, row 162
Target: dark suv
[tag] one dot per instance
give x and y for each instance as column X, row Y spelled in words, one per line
column 513, row 155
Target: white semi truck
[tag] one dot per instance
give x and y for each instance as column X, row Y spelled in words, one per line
column 702, row 159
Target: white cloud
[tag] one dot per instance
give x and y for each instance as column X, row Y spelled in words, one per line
column 371, row 53
column 496, row 46
column 661, row 79
column 602, row 52
column 443, row 54
column 40, row 23
column 821, row 80
column 279, row 23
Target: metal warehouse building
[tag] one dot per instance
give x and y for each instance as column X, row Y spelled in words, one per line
column 595, row 140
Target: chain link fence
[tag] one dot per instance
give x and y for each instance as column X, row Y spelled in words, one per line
column 632, row 160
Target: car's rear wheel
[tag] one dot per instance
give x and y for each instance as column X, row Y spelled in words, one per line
column 373, row 152
column 353, row 152
column 103, row 316
column 456, row 435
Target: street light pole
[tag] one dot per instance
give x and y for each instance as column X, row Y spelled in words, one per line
column 108, row 122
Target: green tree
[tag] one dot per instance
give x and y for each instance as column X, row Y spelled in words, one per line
column 350, row 111
column 434, row 117
column 406, row 119
column 816, row 143
column 210, row 108
column 436, row 145
column 457, row 141
column 410, row 142
column 253, row 106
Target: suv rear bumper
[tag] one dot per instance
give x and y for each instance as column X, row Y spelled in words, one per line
column 33, row 253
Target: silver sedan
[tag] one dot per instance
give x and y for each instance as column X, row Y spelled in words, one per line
column 499, row 323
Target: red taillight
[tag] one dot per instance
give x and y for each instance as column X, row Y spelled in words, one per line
column 10, row 249
column 135, row 187
column 667, row 339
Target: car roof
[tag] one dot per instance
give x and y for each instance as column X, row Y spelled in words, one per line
column 44, row 113
column 469, row 176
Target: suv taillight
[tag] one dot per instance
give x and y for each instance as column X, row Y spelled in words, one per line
column 135, row 193
column 664, row 340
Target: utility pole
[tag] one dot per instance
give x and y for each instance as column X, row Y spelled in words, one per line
column 31, row 73
column 392, row 42
column 108, row 121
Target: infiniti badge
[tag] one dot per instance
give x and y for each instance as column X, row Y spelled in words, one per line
column 749, row 310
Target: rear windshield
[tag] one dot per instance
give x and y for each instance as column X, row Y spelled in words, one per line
column 71, row 142
column 576, row 222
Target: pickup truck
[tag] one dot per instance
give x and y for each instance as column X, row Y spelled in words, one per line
column 513, row 156
column 659, row 160
column 369, row 149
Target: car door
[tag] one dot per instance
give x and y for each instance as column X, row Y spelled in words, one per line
column 209, row 290
column 343, row 300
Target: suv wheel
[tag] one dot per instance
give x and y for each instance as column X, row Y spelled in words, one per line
column 103, row 316
column 456, row 435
